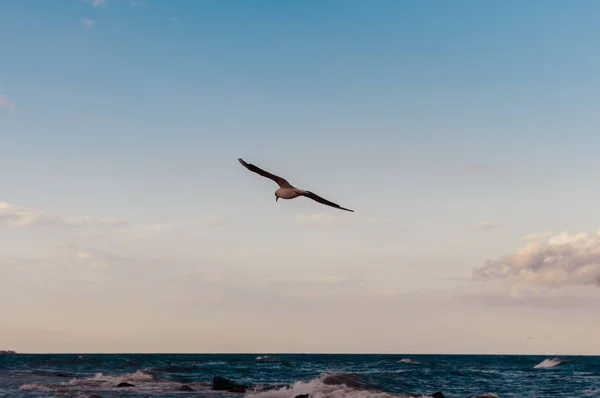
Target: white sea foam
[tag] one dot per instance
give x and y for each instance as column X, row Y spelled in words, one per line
column 409, row 361
column 318, row 389
column 36, row 387
column 140, row 376
column 267, row 358
column 594, row 392
column 548, row 363
column 142, row 380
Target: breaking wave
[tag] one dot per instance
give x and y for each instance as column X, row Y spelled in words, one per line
column 36, row 387
column 268, row 358
column 548, row 363
column 409, row 361
column 329, row 385
column 141, row 380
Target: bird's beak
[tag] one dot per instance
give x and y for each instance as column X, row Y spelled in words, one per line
column 276, row 198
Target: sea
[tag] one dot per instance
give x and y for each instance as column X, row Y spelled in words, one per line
column 290, row 376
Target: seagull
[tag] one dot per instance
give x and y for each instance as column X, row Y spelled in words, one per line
column 288, row 191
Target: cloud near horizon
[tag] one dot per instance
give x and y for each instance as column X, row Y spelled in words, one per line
column 22, row 216
column 532, row 298
column 565, row 260
column 70, row 252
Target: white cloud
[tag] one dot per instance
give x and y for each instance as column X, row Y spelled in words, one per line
column 96, row 3
column 88, row 22
column 486, row 225
column 23, row 216
column 565, row 260
column 75, row 254
column 215, row 221
column 5, row 103
column 543, row 236
column 70, row 252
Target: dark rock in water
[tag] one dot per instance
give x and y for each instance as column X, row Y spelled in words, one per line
column 185, row 388
column 223, row 384
column 94, row 396
column 302, row 396
column 7, row 352
column 438, row 394
column 125, row 385
column 352, row 380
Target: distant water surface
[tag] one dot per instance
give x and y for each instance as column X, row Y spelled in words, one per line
column 365, row 376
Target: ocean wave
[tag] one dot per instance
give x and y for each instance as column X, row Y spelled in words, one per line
column 139, row 376
column 409, row 361
column 268, row 358
column 593, row 392
column 36, row 387
column 328, row 385
column 145, row 380
column 548, row 363
column 50, row 373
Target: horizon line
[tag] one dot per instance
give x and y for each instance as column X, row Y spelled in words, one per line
column 297, row 353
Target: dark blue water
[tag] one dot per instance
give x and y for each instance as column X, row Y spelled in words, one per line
column 365, row 376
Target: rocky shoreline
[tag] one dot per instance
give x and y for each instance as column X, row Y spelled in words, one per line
column 225, row 384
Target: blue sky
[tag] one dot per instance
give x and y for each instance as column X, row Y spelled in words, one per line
column 431, row 119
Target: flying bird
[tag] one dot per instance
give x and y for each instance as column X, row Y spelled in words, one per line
column 288, row 191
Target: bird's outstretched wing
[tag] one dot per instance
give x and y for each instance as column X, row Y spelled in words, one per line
column 282, row 182
column 319, row 199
